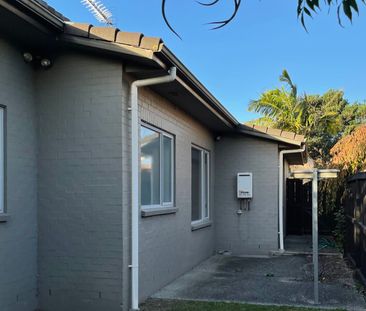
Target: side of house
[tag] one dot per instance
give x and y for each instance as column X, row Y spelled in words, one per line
column 169, row 244
column 255, row 231
column 79, row 104
column 65, row 227
column 18, row 150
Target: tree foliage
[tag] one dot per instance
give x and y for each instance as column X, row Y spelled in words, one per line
column 305, row 8
column 344, row 7
column 349, row 153
column 323, row 119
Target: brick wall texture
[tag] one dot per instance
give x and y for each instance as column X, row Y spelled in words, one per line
column 79, row 105
column 67, row 245
column 18, row 236
column 168, row 246
column 255, row 231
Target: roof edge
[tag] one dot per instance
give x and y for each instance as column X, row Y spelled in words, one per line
column 272, row 137
column 174, row 60
column 43, row 12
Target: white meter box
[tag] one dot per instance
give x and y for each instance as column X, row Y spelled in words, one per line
column 245, row 185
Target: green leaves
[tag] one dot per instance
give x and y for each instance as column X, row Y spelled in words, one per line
column 323, row 119
column 309, row 7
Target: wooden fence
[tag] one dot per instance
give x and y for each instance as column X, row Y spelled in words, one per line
column 355, row 209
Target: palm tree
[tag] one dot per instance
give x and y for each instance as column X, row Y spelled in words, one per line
column 318, row 117
column 281, row 108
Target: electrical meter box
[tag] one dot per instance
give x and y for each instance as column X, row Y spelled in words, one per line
column 245, row 185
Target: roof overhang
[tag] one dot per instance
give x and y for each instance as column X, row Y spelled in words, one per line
column 143, row 57
column 287, row 142
column 186, row 93
column 36, row 10
column 51, row 32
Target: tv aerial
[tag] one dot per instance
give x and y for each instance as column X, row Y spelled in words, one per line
column 99, row 10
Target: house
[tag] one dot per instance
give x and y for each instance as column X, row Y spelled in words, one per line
column 91, row 219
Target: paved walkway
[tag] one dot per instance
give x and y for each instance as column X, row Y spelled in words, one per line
column 284, row 280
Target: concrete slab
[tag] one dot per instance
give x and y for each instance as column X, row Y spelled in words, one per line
column 303, row 244
column 284, row 280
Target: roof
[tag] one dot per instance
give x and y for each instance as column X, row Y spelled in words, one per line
column 152, row 48
column 276, row 134
column 151, row 51
column 111, row 34
column 49, row 8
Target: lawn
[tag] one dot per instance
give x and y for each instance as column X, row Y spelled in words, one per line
column 174, row 305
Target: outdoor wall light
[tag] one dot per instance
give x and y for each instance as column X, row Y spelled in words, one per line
column 37, row 60
column 28, row 57
column 45, row 62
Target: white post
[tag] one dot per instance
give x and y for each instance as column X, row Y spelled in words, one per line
column 315, row 236
column 315, row 175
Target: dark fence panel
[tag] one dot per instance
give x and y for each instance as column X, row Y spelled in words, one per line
column 355, row 209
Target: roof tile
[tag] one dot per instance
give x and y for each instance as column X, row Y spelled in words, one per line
column 130, row 38
column 77, row 29
column 103, row 33
column 274, row 132
column 150, row 43
column 289, row 135
column 260, row 128
column 300, row 137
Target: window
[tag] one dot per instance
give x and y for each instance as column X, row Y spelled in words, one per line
column 2, row 161
column 157, row 167
column 200, row 184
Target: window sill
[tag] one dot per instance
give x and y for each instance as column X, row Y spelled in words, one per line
column 4, row 217
column 157, row 211
column 201, row 225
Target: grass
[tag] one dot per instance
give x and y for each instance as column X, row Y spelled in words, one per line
column 174, row 305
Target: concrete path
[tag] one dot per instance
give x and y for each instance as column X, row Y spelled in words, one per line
column 284, row 280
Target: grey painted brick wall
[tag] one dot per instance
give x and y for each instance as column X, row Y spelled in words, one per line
column 76, row 117
column 255, row 231
column 168, row 246
column 18, row 237
column 80, row 184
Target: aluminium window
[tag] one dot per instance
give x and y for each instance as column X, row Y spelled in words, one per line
column 200, row 184
column 157, row 167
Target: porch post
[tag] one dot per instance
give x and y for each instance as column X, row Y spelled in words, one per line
column 315, row 236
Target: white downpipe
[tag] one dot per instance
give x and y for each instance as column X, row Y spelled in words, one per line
column 135, row 182
column 280, row 195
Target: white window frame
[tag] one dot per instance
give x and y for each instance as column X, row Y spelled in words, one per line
column 204, row 153
column 162, row 134
column 2, row 158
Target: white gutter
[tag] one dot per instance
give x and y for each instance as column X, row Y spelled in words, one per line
column 280, row 195
column 135, row 179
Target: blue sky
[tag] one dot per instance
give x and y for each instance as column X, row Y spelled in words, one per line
column 240, row 61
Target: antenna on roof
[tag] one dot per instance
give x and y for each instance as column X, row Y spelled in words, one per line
column 100, row 12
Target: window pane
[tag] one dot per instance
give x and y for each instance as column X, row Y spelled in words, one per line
column 150, row 167
column 167, row 169
column 196, row 185
column 206, row 183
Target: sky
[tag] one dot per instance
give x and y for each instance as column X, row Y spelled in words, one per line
column 244, row 59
